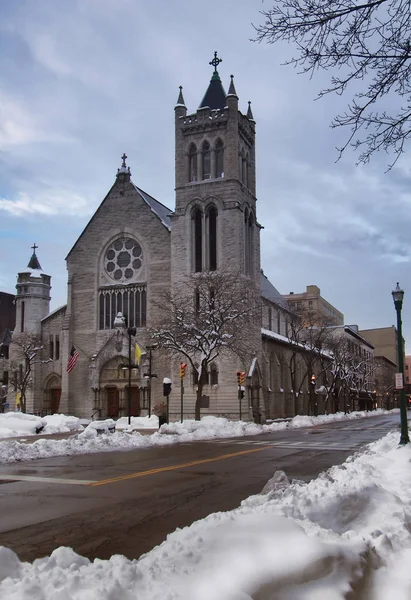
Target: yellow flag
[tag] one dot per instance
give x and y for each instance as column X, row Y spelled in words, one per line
column 137, row 354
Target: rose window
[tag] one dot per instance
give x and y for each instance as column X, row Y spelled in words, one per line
column 123, row 259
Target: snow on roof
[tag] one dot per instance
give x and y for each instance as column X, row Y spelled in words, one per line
column 162, row 212
column 252, row 367
column 277, row 336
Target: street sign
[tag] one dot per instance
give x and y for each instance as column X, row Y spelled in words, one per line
column 399, row 383
column 7, row 405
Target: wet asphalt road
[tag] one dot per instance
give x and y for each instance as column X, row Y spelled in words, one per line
column 127, row 502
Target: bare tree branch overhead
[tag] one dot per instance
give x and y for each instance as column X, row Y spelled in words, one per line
column 366, row 47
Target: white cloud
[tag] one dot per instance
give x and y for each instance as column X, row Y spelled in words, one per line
column 48, row 202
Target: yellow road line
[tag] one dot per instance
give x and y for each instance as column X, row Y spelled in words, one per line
column 175, row 467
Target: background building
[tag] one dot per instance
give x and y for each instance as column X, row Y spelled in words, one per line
column 314, row 308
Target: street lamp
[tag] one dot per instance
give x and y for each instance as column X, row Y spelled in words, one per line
column 150, row 374
column 398, row 296
column 121, row 321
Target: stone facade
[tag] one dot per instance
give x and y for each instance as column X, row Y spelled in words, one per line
column 132, row 251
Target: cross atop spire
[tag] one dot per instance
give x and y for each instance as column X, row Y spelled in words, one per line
column 34, row 261
column 124, row 169
column 215, row 62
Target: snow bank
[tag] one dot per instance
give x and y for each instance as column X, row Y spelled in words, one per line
column 137, row 423
column 15, row 424
column 209, row 428
column 346, row 532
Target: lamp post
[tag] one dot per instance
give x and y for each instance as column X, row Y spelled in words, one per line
column 150, row 374
column 398, row 296
column 120, row 322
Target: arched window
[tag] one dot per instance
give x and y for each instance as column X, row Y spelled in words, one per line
column 246, row 243
column 251, row 244
column 206, row 162
column 213, row 374
column 244, row 175
column 198, row 240
column 219, row 159
column 192, row 163
column 212, row 238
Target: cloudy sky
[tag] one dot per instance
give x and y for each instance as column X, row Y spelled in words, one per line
column 82, row 81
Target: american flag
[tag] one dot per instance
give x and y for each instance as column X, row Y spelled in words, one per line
column 72, row 359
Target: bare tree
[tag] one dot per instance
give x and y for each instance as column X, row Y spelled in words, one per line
column 26, row 351
column 366, row 46
column 350, row 371
column 211, row 314
column 308, row 333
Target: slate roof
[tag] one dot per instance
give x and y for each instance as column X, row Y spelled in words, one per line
column 162, row 212
column 215, row 96
column 5, row 337
column 269, row 292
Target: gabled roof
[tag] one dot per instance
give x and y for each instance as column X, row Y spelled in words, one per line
column 269, row 292
column 162, row 212
column 54, row 312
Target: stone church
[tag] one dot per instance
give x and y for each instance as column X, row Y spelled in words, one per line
column 133, row 249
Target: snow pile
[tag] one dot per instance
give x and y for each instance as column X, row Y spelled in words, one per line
column 61, row 424
column 13, row 424
column 137, row 423
column 17, row 424
column 345, row 534
column 217, row 427
column 97, row 437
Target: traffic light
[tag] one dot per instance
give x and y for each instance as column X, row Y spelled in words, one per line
column 240, row 377
column 183, row 368
column 313, row 379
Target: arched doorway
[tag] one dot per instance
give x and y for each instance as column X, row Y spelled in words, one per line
column 114, row 390
column 52, row 395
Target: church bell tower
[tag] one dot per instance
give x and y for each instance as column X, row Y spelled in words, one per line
column 214, row 225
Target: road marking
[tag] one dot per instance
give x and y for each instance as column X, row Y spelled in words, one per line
column 12, row 478
column 317, row 445
column 175, row 467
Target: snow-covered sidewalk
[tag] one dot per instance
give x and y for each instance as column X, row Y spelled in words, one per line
column 349, row 530
column 125, row 438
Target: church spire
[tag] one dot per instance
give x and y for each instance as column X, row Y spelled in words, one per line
column 231, row 89
column 34, row 261
column 215, row 95
column 180, row 99
column 250, row 112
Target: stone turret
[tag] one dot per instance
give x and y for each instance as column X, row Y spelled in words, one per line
column 33, row 297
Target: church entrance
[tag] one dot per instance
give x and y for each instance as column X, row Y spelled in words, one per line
column 113, row 402
column 55, row 394
column 135, row 401
column 52, row 394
